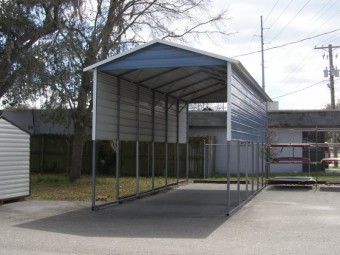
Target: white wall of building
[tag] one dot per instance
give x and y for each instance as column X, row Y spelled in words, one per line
column 220, row 148
column 287, row 136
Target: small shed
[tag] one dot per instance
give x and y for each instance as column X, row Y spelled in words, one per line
column 14, row 161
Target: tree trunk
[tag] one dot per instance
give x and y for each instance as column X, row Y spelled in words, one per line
column 77, row 152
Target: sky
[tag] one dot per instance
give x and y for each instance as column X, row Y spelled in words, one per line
column 294, row 73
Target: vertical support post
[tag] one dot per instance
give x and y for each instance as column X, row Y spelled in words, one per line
column 238, row 156
column 228, row 177
column 137, row 142
column 229, row 101
column 166, row 138
column 118, row 139
column 153, row 141
column 166, row 162
column 252, row 166
column 177, row 162
column 246, row 169
column 262, row 166
column 187, row 146
column 309, row 161
column 117, row 167
column 94, row 174
column 257, row 165
column 94, row 124
column 187, row 163
column 153, row 164
column 137, row 168
column 204, row 161
column 177, row 140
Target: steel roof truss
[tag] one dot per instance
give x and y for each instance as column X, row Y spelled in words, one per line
column 178, row 79
column 193, row 99
column 202, row 89
column 158, row 74
column 189, row 85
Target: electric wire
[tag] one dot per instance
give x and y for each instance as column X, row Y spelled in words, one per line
column 287, row 44
column 291, row 20
column 299, row 90
column 296, row 48
column 278, row 17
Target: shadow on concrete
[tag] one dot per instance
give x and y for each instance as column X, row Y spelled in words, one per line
column 292, row 188
column 183, row 213
column 330, row 188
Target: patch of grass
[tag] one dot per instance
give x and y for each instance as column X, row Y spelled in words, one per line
column 47, row 178
column 57, row 187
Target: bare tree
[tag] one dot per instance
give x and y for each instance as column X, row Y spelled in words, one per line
column 102, row 28
column 22, row 24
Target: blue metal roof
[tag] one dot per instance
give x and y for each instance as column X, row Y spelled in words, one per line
column 188, row 74
column 160, row 55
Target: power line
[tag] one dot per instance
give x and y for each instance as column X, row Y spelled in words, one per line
column 270, row 12
column 287, row 44
column 278, row 17
column 291, row 19
column 296, row 91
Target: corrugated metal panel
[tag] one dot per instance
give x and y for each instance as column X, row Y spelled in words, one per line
column 172, row 120
column 159, row 55
column 128, row 109
column 136, row 113
column 160, row 127
column 145, row 114
column 248, row 112
column 14, row 161
column 106, row 115
column 182, row 123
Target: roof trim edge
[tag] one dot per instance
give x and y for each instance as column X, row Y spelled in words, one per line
column 139, row 47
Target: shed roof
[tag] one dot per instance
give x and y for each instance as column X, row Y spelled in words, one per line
column 182, row 72
column 36, row 122
column 14, row 124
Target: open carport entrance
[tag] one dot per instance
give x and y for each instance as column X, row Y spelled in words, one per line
column 141, row 97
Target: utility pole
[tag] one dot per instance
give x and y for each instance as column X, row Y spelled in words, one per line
column 332, row 72
column 262, row 54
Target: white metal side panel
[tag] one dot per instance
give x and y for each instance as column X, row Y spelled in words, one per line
column 182, row 123
column 160, row 127
column 172, row 120
column 248, row 112
column 145, row 115
column 128, row 111
column 106, row 107
column 14, row 161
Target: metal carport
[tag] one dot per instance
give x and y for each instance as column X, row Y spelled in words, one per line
column 142, row 95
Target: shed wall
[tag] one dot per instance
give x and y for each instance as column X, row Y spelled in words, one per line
column 14, row 161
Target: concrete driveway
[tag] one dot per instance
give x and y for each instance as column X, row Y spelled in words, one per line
column 189, row 220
